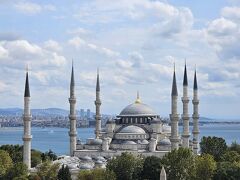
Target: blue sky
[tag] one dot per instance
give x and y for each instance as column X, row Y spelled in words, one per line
column 134, row 43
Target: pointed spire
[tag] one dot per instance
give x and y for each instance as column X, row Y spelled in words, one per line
column 27, row 90
column 163, row 175
column 195, row 86
column 185, row 79
column 138, row 100
column 174, row 84
column 98, row 84
column 72, row 76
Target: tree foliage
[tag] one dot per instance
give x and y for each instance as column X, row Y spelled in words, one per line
column 179, row 164
column 96, row 174
column 47, row 170
column 214, row 146
column 235, row 147
column 15, row 152
column 227, row 171
column 64, row 173
column 126, row 166
column 151, row 168
column 17, row 171
column 5, row 162
column 49, row 155
column 230, row 156
column 35, row 157
column 205, row 167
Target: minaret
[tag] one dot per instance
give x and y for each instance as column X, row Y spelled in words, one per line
column 98, row 104
column 195, row 115
column 163, row 175
column 174, row 117
column 72, row 116
column 27, row 137
column 185, row 115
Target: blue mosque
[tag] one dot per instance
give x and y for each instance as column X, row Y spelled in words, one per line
column 137, row 129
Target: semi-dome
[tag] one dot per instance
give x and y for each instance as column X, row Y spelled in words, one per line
column 133, row 129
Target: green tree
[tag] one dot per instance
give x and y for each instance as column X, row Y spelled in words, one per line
column 179, row 164
column 151, row 168
column 47, row 170
column 35, row 158
column 205, row 167
column 17, row 171
column 49, row 155
column 230, row 156
column 85, row 175
column 15, row 152
column 64, row 173
column 96, row 174
column 214, row 146
column 5, row 162
column 126, row 166
column 227, row 171
column 235, row 147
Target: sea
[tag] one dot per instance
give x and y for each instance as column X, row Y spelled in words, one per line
column 57, row 139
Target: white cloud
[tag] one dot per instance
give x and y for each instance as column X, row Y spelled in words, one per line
column 33, row 8
column 231, row 13
column 52, row 45
column 77, row 42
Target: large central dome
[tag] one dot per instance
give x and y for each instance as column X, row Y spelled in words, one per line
column 137, row 109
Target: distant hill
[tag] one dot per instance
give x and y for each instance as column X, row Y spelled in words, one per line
column 35, row 112
column 39, row 112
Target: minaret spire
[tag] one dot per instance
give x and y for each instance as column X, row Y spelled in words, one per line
column 174, row 117
column 98, row 104
column 195, row 115
column 185, row 115
column 72, row 115
column 27, row 137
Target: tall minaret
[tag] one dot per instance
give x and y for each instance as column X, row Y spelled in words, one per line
column 27, row 137
column 174, row 117
column 195, row 115
column 185, row 115
column 98, row 104
column 72, row 116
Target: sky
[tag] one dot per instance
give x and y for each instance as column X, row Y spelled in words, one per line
column 134, row 43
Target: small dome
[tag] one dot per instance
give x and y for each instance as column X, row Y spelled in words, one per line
column 100, row 158
column 85, row 166
column 96, row 142
column 86, row 158
column 99, row 162
column 133, row 129
column 137, row 109
column 165, row 142
column 128, row 142
column 143, row 141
